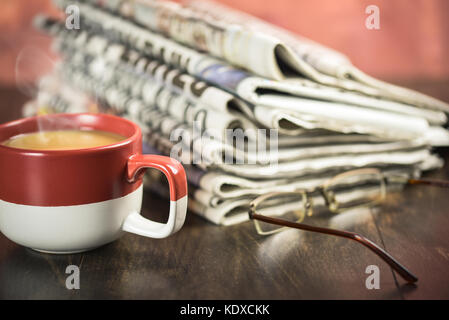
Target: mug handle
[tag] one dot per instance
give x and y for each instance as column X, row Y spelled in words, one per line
column 176, row 176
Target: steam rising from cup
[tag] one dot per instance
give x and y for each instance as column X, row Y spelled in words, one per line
column 31, row 62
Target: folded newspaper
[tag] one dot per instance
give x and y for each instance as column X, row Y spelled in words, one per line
column 292, row 112
column 198, row 77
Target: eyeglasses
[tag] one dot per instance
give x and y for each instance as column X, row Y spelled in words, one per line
column 273, row 212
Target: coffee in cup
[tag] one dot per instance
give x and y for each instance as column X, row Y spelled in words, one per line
column 63, row 139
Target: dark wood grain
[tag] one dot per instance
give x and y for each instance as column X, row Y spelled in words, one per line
column 415, row 225
column 204, row 261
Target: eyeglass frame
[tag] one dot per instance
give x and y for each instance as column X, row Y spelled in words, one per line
column 330, row 200
column 327, row 195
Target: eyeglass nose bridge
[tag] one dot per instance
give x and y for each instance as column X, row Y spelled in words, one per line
column 329, row 199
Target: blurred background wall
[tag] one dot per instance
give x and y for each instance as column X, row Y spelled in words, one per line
column 412, row 43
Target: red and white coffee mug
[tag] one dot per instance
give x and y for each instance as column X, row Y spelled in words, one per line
column 66, row 201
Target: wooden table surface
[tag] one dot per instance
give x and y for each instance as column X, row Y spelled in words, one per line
column 204, row 261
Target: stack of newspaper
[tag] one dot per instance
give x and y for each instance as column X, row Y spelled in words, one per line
column 247, row 107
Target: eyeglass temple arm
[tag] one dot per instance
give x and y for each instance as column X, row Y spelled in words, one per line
column 430, row 182
column 392, row 262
